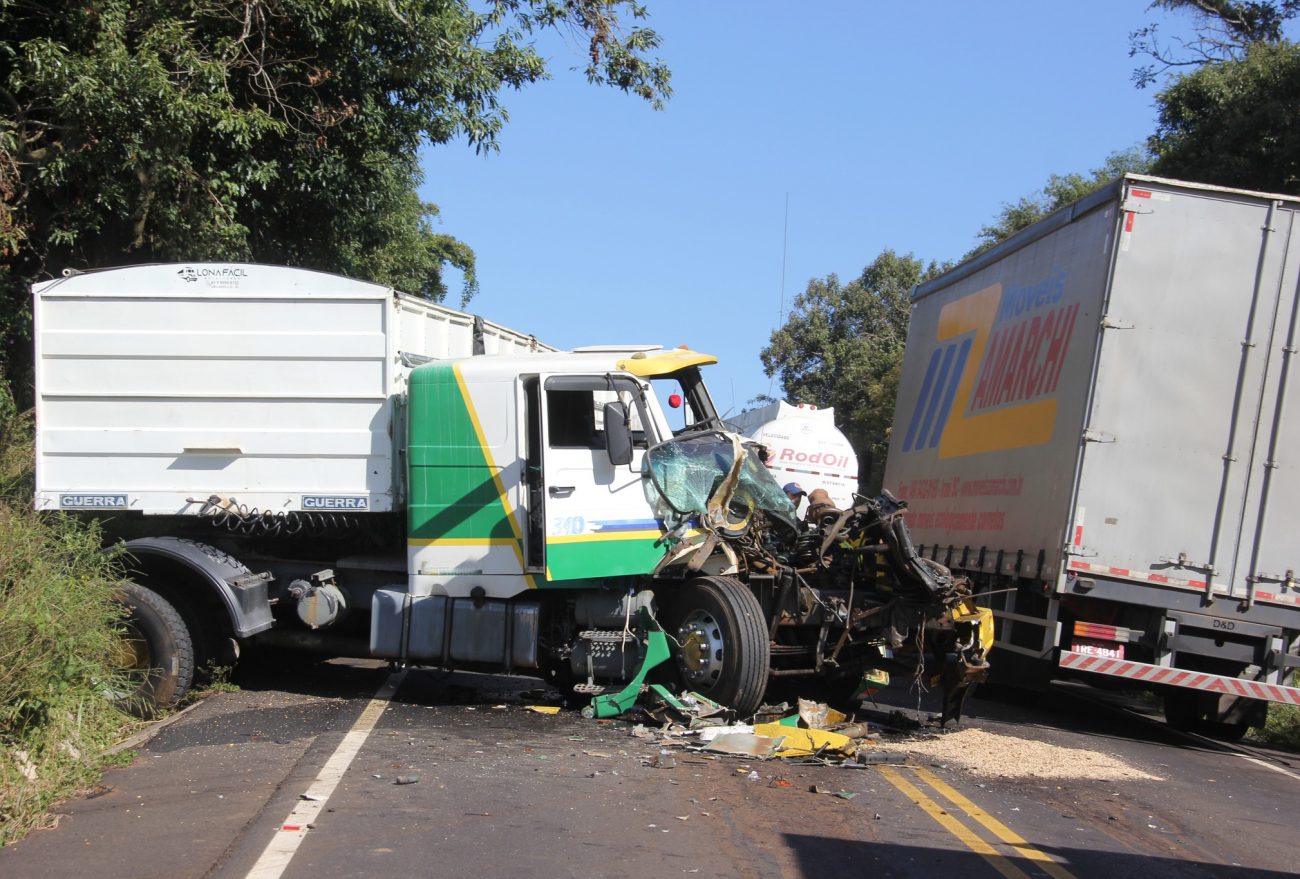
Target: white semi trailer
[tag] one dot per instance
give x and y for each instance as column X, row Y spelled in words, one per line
column 1095, row 423
column 299, row 458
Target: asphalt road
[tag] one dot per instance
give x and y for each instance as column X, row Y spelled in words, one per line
column 304, row 773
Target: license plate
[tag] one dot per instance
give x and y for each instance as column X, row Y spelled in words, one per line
column 1107, row 649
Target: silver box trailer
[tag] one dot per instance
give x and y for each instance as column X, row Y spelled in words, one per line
column 1095, row 416
column 273, row 388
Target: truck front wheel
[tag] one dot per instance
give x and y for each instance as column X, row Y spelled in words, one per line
column 722, row 646
column 156, row 652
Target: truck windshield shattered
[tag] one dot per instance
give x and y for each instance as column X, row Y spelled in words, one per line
column 716, row 478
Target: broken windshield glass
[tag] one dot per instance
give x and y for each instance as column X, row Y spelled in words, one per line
column 686, row 474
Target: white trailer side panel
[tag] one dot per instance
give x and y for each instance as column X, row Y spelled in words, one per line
column 161, row 386
column 992, row 397
column 1161, row 454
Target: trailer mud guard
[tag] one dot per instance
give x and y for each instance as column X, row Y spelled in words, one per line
column 1179, row 677
column 241, row 591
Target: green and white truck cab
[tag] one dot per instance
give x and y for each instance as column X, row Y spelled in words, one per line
column 534, row 528
column 512, row 482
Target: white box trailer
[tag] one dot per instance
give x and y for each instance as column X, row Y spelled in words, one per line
column 161, row 386
column 1095, row 415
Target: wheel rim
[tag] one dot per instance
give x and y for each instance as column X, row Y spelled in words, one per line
column 131, row 652
column 702, row 650
column 133, row 662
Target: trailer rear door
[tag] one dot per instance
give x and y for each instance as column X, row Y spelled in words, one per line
column 1190, row 394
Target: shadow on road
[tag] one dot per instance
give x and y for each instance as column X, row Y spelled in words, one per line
column 822, row 856
column 305, row 674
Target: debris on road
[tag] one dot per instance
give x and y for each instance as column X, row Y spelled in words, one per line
column 745, row 745
column 664, row 760
column 708, row 734
column 841, row 794
column 814, row 732
column 998, row 755
column 799, row 742
column 819, row 715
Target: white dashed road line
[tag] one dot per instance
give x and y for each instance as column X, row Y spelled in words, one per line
column 277, row 855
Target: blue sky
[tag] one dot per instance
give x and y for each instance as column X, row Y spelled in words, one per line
column 885, row 125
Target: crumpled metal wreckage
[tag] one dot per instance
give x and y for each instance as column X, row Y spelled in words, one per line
column 846, row 598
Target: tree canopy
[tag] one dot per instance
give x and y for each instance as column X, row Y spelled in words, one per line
column 842, row 346
column 1235, row 123
column 280, row 131
column 1229, row 116
column 1223, row 30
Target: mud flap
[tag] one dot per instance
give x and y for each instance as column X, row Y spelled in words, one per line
column 968, row 666
column 958, row 677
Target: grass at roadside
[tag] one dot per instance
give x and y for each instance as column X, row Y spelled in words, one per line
column 57, row 646
column 1282, row 729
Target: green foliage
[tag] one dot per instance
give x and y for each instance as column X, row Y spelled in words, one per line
column 1059, row 191
column 1282, row 729
column 1235, row 123
column 215, row 678
column 282, row 131
column 842, row 346
column 57, row 646
column 1231, row 119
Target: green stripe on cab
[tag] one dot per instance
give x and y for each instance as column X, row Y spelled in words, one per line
column 601, row 557
column 453, row 489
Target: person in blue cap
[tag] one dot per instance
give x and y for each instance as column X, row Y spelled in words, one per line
column 794, row 493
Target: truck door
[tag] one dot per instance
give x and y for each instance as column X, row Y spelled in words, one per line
column 596, row 519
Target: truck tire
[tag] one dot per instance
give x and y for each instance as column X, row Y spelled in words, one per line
column 157, row 652
column 1192, row 711
column 1181, row 709
column 722, row 648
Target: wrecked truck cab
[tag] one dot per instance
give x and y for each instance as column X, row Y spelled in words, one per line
column 839, row 597
column 833, row 599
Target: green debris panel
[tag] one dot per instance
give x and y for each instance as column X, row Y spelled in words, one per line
column 614, row 704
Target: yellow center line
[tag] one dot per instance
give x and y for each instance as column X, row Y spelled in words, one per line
column 1002, row 831
column 952, row 825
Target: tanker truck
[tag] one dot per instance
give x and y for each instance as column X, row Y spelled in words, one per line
column 298, row 459
column 803, row 446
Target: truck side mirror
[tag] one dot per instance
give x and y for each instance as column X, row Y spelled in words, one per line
column 618, row 437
